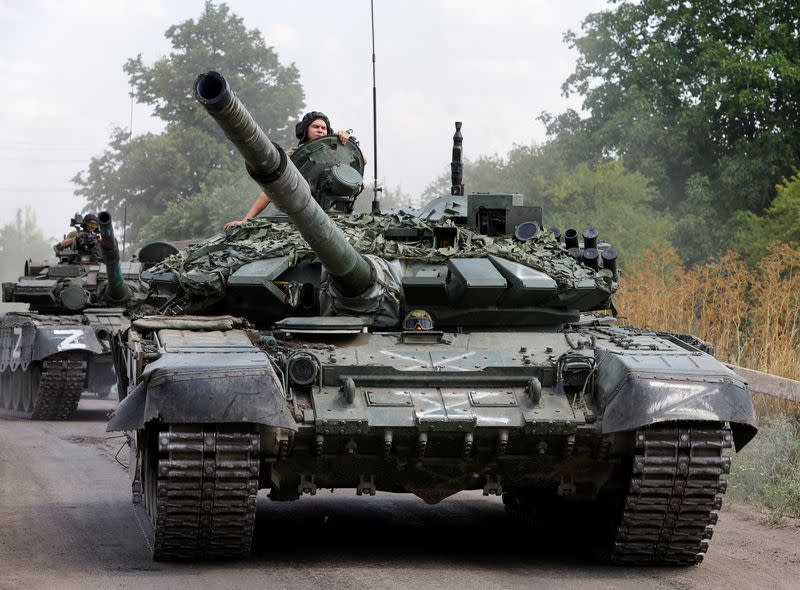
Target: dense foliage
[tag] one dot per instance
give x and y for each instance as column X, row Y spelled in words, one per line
column 702, row 97
column 185, row 180
column 690, row 131
column 604, row 195
column 780, row 223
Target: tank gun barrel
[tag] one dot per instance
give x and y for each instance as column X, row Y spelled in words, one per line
column 117, row 290
column 268, row 165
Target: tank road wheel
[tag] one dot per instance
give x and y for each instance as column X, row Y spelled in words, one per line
column 674, row 495
column 199, row 488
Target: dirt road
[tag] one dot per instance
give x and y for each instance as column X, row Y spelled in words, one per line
column 66, row 521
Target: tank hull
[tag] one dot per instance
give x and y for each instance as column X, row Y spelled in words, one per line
column 507, row 413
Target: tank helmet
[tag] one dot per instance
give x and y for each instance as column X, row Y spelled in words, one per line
column 417, row 319
column 90, row 221
column 302, row 125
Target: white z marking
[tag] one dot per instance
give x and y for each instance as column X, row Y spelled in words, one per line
column 72, row 339
column 15, row 354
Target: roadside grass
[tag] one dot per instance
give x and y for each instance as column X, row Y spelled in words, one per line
column 766, row 473
column 752, row 318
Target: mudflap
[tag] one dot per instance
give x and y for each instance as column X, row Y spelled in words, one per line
column 206, row 388
column 54, row 339
column 646, row 400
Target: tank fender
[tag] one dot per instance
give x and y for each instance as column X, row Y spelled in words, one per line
column 634, row 396
column 205, row 387
column 51, row 340
column 129, row 414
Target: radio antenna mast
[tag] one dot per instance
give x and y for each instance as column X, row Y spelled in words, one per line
column 376, row 207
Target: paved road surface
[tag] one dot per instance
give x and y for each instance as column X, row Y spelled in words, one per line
column 66, row 522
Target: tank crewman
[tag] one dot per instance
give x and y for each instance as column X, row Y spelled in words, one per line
column 417, row 320
column 313, row 125
column 89, row 224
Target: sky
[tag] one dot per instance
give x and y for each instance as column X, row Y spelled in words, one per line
column 495, row 65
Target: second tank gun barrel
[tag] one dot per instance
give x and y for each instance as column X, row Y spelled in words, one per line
column 116, row 290
column 269, row 166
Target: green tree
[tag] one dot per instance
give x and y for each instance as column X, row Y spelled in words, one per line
column 218, row 40
column 612, row 199
column 140, row 177
column 20, row 241
column 225, row 196
column 780, row 223
column 492, row 174
column 184, row 181
column 691, row 93
column 604, row 195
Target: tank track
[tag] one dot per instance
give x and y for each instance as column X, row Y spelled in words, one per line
column 60, row 384
column 674, row 496
column 200, row 493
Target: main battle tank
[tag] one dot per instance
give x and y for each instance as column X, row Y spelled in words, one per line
column 57, row 321
column 456, row 349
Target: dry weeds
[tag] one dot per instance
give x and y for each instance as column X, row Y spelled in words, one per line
column 750, row 315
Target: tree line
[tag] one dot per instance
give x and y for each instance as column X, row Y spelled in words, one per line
column 689, row 131
column 688, row 134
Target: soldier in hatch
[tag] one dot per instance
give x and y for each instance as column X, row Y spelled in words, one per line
column 417, row 320
column 312, row 126
column 88, row 234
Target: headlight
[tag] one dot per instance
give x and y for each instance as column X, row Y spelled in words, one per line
column 303, row 369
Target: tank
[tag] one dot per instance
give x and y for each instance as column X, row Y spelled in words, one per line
column 463, row 347
column 57, row 322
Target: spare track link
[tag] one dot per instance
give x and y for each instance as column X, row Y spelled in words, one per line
column 205, row 494
column 674, row 496
column 62, row 382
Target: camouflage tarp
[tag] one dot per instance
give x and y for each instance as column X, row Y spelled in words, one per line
column 202, row 270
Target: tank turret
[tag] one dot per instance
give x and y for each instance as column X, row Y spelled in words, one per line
column 269, row 166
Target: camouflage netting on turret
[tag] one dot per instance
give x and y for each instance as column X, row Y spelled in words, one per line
column 203, row 270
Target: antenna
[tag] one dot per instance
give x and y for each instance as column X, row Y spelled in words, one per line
column 376, row 206
column 125, row 210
